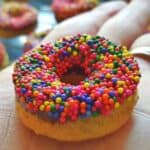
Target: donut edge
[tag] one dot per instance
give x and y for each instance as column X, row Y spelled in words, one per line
column 82, row 129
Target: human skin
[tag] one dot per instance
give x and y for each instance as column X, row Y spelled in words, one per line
column 128, row 24
column 89, row 22
column 121, row 23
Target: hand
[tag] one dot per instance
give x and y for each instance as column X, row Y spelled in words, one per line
column 15, row 136
column 117, row 21
column 128, row 24
column 89, row 22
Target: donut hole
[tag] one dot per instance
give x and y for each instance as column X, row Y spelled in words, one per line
column 13, row 9
column 74, row 75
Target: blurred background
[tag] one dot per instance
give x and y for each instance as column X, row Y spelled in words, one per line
column 46, row 20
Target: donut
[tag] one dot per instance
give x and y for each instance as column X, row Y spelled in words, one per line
column 34, row 39
column 67, row 8
column 16, row 18
column 4, row 59
column 78, row 88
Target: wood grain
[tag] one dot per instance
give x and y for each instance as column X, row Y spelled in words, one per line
column 134, row 135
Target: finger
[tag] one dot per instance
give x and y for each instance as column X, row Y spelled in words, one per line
column 88, row 22
column 128, row 24
column 141, row 51
column 143, row 40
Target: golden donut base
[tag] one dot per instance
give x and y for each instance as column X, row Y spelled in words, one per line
column 82, row 129
column 9, row 33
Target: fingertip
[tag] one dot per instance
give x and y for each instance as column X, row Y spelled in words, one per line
column 141, row 41
column 143, row 51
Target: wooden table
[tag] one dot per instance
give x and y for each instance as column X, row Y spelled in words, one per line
column 134, row 135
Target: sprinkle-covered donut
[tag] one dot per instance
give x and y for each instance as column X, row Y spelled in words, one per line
column 82, row 83
column 68, row 8
column 16, row 17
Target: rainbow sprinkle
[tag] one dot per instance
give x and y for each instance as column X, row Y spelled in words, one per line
column 111, row 72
